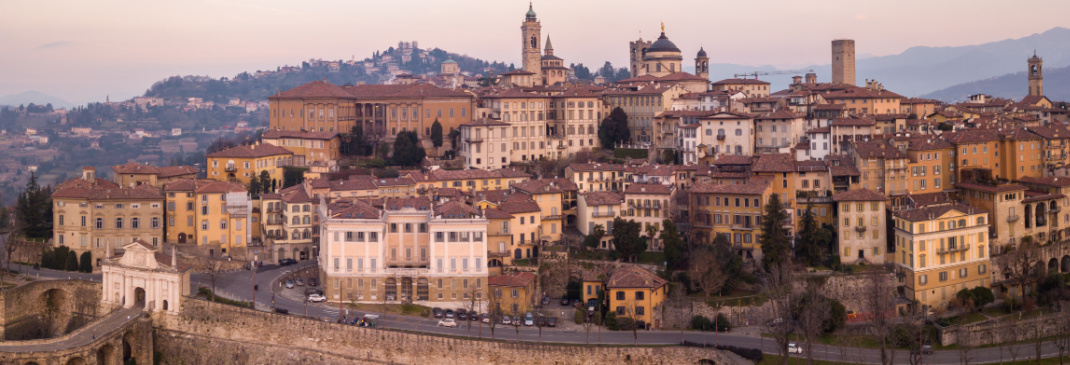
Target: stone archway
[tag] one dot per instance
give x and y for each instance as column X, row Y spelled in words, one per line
column 282, row 254
column 1065, row 264
column 139, row 297
column 129, row 352
column 106, row 355
column 55, row 312
column 1053, row 266
column 76, row 361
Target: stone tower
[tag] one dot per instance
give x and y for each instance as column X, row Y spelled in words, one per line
column 702, row 64
column 843, row 61
column 1036, row 75
column 532, row 55
column 636, row 51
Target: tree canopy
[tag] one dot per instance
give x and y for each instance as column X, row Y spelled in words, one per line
column 673, row 244
column 436, row 133
column 775, row 243
column 626, row 238
column 407, row 149
column 614, row 129
column 34, row 210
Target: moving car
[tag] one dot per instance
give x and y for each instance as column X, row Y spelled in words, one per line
column 438, row 312
column 447, row 322
column 289, row 284
column 529, row 320
column 925, row 350
column 794, row 348
column 317, row 298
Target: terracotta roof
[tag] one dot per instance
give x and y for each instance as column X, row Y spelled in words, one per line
column 492, row 213
column 971, row 136
column 924, row 200
column 401, row 203
column 455, row 209
column 774, row 162
column 135, row 168
column 927, row 143
column 1049, row 181
column 634, row 277
column 932, row 212
column 516, row 279
column 484, row 122
column 780, row 114
column 653, row 170
column 393, row 181
column 101, row 189
column 295, row 194
column 740, row 82
column 811, row 165
column 250, row 151
column 648, row 189
column 602, row 198
column 990, row 188
column 848, row 122
column 278, row 133
column 216, row 187
column 313, row 89
column 404, row 91
column 755, row 185
column 844, row 170
column 352, row 209
column 830, row 107
column 734, row 160
column 596, row 166
column 825, row 129
column 494, row 196
column 858, row 195
column 526, row 206
column 681, row 76
column 878, row 149
column 172, row 171
column 544, row 186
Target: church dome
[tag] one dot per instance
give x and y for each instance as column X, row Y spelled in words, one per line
column 531, row 12
column 663, row 44
column 701, row 52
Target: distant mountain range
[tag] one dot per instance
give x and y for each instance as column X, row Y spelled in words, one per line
column 36, row 97
column 931, row 70
column 1014, row 86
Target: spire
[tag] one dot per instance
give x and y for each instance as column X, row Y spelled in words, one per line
column 549, row 47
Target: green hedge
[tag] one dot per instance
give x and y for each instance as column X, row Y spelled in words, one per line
column 630, row 152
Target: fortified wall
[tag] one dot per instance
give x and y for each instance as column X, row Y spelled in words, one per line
column 207, row 332
column 48, row 308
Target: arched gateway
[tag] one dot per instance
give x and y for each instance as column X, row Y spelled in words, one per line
column 144, row 277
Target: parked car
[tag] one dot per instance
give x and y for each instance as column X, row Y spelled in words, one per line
column 450, row 313
column 794, row 348
column 289, row 284
column 447, row 322
column 313, row 282
column 925, row 350
column 529, row 320
column 546, row 300
column 287, row 262
column 551, row 322
column 462, row 314
column 565, row 302
column 485, row 318
column 473, row 316
column 541, row 321
column 507, row 320
column 576, row 302
column 299, row 282
column 438, row 312
column 317, row 298
column 311, row 291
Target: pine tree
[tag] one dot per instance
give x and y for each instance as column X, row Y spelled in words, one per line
column 808, row 246
column 673, row 245
column 774, row 241
column 626, row 238
column 34, row 210
column 436, row 133
column 254, row 187
column 265, row 182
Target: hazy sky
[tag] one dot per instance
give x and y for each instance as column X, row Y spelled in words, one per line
column 84, row 50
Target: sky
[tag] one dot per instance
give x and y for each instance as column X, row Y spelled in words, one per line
column 84, row 51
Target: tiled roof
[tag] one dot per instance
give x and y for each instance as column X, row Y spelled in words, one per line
column 971, row 136
column 492, row 213
column 494, row 196
column 401, row 203
column 251, row 151
column 353, row 209
column 932, row 212
column 353, row 185
column 278, row 133
column 927, row 144
column 404, row 92
column 313, row 89
column 393, row 181
column 733, row 160
column 848, row 122
column 513, row 207
column 516, row 279
column 455, row 209
column 543, row 186
column 295, row 194
column 172, row 171
column 990, row 188
column 878, row 149
column 858, row 195
column 632, row 276
column 755, row 185
column 101, row 189
column 216, row 187
column 602, row 198
column 780, row 114
column 924, row 200
column 811, row 165
column 596, row 166
column 648, row 189
column 135, row 168
column 652, row 170
column 844, row 170
column 774, row 162
column 740, row 82
column 1050, row 181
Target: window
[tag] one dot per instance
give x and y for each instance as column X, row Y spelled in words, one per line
column 118, row 223
column 620, row 295
column 638, row 295
column 943, row 276
column 639, row 311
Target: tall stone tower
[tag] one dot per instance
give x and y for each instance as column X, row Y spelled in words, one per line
column 702, row 64
column 636, row 51
column 1036, row 75
column 532, row 55
column 843, row 61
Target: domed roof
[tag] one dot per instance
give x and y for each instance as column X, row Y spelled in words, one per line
column 701, row 52
column 531, row 12
column 663, row 44
column 449, row 60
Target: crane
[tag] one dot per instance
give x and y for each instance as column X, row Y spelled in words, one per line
column 760, row 73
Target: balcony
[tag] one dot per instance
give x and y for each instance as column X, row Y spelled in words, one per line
column 603, row 214
column 476, row 139
column 1013, row 218
column 953, row 249
column 720, row 137
column 861, row 229
column 230, row 168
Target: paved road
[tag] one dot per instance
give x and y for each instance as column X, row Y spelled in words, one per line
column 238, row 286
column 83, row 337
column 56, row 274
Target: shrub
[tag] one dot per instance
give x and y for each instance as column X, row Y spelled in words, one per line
column 72, row 262
column 611, row 321
column 625, row 324
column 86, row 262
column 700, row 323
column 837, row 316
column 722, row 323
column 579, row 317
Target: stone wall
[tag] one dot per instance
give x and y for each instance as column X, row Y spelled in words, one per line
column 997, row 331
column 103, row 349
column 215, row 333
column 848, row 289
column 48, row 308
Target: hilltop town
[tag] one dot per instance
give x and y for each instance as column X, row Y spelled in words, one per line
column 538, row 201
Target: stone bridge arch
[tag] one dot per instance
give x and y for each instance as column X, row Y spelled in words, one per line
column 106, row 355
column 77, row 360
column 47, row 308
column 1065, row 266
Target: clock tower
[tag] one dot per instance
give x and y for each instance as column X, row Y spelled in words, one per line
column 532, row 55
column 1036, row 75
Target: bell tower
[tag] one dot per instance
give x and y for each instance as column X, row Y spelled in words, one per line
column 1036, row 75
column 532, row 55
column 702, row 64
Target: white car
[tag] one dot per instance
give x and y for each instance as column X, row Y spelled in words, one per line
column 794, row 348
column 316, row 298
column 447, row 322
column 289, row 284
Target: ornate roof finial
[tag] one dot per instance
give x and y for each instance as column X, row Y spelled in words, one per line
column 663, row 27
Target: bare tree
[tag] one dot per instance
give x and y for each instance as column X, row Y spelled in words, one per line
column 494, row 309
column 1012, row 331
column 214, row 270
column 1062, row 337
column 1038, row 342
column 879, row 303
column 964, row 342
column 676, row 300
column 914, row 329
column 1020, row 264
column 517, row 320
column 813, row 312
column 777, row 285
column 472, row 305
column 706, row 274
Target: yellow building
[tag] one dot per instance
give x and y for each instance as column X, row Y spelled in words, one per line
column 99, row 216
column 525, row 228
column 942, row 249
column 465, row 180
column 309, row 148
column 596, row 176
column 861, row 226
column 599, row 208
column 240, row 164
column 1022, row 153
column 752, row 88
column 212, row 214
column 872, row 99
column 930, row 161
column 1056, row 143
column 556, row 199
column 133, row 173
column 637, row 294
column 649, row 205
column 515, row 292
column 731, row 210
column 974, row 149
column 499, row 238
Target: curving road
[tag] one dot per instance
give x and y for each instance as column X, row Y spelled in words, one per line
column 80, row 337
